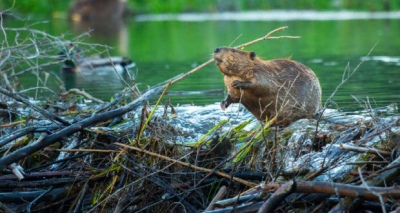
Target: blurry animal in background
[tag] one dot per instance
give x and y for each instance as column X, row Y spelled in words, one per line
column 98, row 10
column 105, row 19
column 76, row 62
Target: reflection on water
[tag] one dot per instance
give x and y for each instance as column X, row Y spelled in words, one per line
column 385, row 59
column 108, row 82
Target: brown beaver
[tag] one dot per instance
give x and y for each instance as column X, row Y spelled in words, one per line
column 281, row 87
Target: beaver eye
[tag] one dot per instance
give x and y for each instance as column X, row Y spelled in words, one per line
column 233, row 50
column 252, row 55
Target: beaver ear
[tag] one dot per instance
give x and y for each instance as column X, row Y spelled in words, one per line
column 252, row 55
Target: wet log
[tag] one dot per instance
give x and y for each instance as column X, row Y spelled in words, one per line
column 91, row 121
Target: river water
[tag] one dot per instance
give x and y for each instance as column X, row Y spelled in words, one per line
column 163, row 46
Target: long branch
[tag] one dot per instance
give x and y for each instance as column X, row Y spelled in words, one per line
column 266, row 37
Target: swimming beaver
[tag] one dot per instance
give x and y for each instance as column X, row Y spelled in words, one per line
column 267, row 88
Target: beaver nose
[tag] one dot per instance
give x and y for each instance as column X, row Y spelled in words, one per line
column 217, row 49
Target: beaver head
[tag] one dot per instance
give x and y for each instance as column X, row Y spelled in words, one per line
column 232, row 61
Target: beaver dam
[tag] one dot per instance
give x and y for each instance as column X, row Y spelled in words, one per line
column 59, row 154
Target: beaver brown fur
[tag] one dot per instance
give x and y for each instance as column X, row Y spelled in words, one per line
column 281, row 87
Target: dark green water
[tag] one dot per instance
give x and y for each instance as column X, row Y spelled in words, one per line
column 164, row 49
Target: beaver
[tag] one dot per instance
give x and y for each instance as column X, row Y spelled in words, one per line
column 267, row 88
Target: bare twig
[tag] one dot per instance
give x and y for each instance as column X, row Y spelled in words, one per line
column 378, row 194
column 266, row 37
column 47, row 114
column 364, row 150
column 81, row 92
column 247, row 183
column 347, row 74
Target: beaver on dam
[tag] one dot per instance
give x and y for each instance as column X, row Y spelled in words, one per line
column 281, row 87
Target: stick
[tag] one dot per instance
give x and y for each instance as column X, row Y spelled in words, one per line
column 221, row 193
column 277, row 197
column 364, row 150
column 47, row 114
column 266, row 37
column 247, row 183
column 81, row 92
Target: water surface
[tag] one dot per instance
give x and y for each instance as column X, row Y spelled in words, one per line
column 164, row 46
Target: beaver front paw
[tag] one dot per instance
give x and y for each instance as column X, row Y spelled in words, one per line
column 240, row 85
column 224, row 105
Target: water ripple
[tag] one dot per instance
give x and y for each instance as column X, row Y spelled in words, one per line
column 274, row 15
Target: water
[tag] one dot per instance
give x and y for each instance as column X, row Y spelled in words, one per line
column 164, row 46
